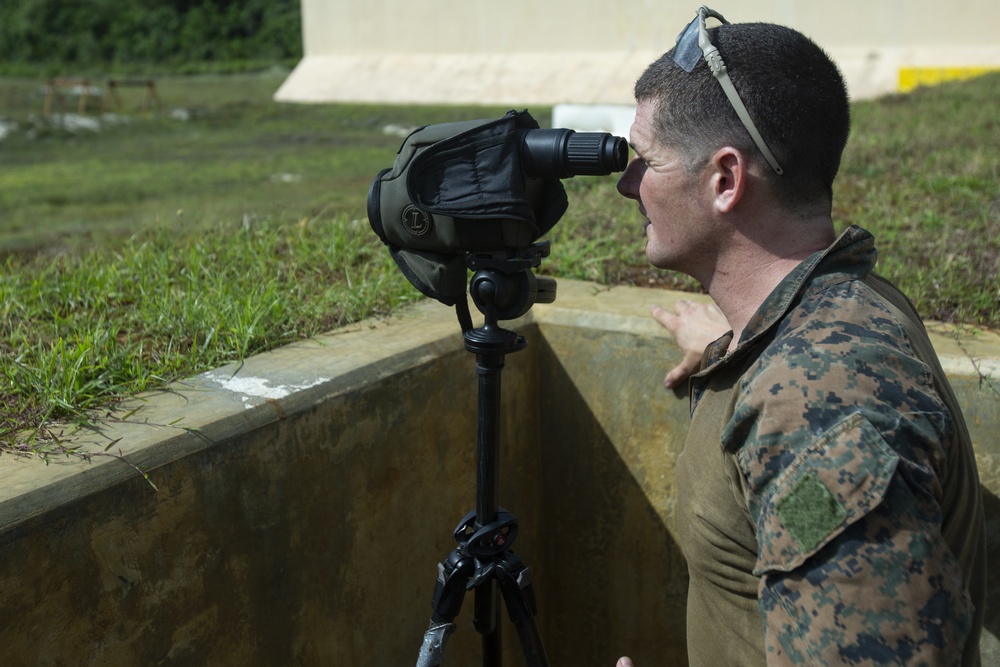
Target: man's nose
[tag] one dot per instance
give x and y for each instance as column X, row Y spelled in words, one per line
column 628, row 182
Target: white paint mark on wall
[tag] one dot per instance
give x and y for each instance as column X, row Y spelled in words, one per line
column 256, row 387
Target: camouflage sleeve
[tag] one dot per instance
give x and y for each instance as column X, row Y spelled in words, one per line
column 839, row 437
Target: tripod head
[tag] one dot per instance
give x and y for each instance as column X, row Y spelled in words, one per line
column 504, row 287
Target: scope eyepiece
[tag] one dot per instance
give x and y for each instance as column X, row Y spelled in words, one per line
column 563, row 153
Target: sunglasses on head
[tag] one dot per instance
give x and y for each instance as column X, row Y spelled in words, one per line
column 692, row 44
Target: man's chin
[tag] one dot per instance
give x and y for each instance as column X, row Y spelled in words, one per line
column 658, row 261
column 652, row 257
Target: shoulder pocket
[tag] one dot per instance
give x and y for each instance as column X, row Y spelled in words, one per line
column 831, row 484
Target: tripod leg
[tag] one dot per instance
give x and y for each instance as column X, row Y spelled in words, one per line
column 432, row 650
column 453, row 574
column 518, row 594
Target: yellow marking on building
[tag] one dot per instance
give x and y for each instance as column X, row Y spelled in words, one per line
column 912, row 77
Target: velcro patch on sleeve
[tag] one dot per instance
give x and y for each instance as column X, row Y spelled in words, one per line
column 810, row 512
column 831, row 483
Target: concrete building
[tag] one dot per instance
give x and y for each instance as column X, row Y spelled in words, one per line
column 589, row 52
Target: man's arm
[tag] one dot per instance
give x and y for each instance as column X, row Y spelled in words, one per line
column 841, row 440
column 886, row 590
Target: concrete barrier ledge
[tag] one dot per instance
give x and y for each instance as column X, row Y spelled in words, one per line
column 291, row 522
column 193, row 414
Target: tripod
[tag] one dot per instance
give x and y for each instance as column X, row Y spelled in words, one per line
column 502, row 288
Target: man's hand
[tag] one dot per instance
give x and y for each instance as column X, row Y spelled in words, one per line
column 624, row 662
column 694, row 326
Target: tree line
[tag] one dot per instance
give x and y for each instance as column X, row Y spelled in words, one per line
column 135, row 35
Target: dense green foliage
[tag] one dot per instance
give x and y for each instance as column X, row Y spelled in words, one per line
column 61, row 37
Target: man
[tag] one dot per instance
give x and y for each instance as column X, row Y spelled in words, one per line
column 828, row 499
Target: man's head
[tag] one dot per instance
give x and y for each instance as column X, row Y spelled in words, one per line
column 793, row 92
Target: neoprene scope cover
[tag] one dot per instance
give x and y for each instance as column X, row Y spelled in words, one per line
column 457, row 188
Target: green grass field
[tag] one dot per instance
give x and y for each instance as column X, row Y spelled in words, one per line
column 169, row 242
column 237, row 154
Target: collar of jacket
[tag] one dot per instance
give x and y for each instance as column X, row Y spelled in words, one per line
column 851, row 257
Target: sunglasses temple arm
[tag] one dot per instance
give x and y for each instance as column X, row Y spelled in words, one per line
column 718, row 68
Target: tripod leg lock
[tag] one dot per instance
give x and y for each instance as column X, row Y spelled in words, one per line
column 517, row 585
column 449, row 592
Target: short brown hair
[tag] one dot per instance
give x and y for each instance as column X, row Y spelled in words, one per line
column 792, row 89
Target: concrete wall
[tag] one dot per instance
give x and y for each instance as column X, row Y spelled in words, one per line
column 525, row 52
column 305, row 497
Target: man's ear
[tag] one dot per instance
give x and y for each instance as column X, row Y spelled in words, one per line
column 728, row 178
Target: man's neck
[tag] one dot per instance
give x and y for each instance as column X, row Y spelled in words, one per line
column 745, row 277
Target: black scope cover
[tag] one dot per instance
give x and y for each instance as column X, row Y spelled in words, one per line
column 478, row 186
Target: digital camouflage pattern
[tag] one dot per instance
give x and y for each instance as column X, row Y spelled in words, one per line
column 828, row 485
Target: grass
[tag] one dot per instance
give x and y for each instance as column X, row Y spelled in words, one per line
column 85, row 330
column 173, row 242
column 237, row 154
column 922, row 171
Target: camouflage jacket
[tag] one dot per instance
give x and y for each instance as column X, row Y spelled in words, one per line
column 828, row 499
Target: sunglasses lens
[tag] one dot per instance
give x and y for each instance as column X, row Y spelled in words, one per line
column 687, row 52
